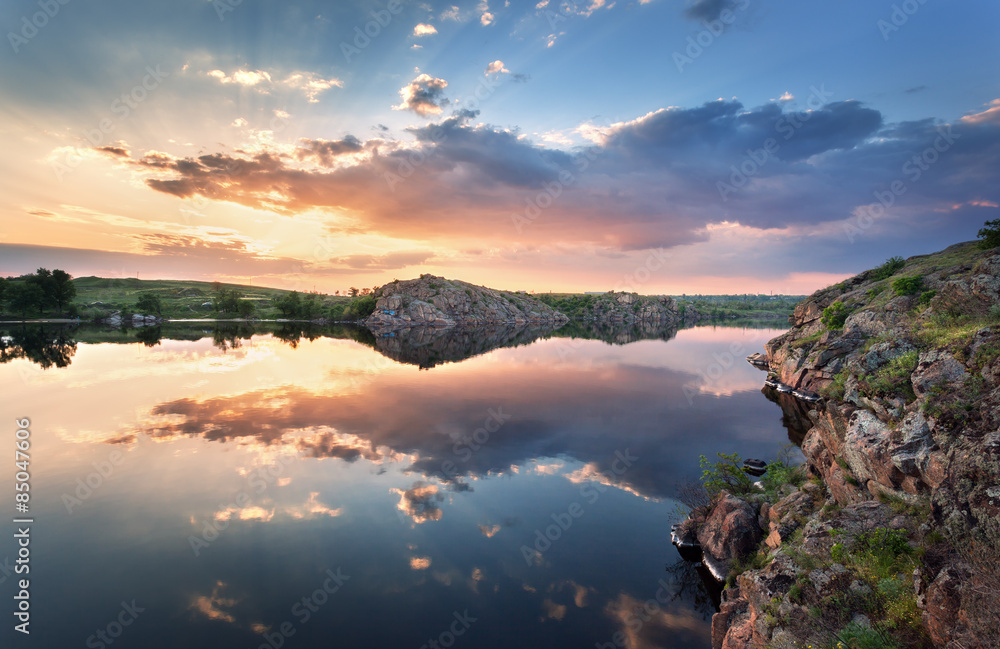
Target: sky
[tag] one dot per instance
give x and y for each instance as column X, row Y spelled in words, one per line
column 657, row 146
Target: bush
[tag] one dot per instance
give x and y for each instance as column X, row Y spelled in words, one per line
column 364, row 306
column 926, row 297
column 907, row 285
column 835, row 315
column 990, row 235
column 726, row 474
column 779, row 474
column 889, row 268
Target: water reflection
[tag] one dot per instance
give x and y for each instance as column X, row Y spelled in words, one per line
column 251, row 465
column 46, row 346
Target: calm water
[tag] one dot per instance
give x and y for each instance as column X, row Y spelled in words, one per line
column 493, row 488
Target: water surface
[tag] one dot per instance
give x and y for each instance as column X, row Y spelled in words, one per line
column 496, row 488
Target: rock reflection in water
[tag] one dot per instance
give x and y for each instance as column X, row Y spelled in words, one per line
column 430, row 346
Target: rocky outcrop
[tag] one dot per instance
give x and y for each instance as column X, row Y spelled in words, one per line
column 729, row 532
column 632, row 307
column 911, row 417
column 436, row 301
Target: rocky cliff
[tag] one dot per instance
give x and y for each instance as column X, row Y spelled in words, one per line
column 895, row 540
column 431, row 300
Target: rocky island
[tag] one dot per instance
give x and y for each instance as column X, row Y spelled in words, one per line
column 437, row 301
column 889, row 535
column 432, row 300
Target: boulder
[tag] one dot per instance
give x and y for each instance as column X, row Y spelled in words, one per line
column 730, row 531
column 936, row 367
column 944, row 600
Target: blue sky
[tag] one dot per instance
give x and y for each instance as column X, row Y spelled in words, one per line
column 264, row 145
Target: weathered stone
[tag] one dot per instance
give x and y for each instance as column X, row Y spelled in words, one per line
column 730, row 531
column 936, row 367
column 436, row 301
column 944, row 598
column 830, row 580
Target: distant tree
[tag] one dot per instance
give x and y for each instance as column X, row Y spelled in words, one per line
column 309, row 308
column 246, row 308
column 289, row 305
column 4, row 284
column 990, row 235
column 43, row 280
column 366, row 291
column 61, row 288
column 227, row 300
column 353, row 292
column 148, row 304
column 23, row 296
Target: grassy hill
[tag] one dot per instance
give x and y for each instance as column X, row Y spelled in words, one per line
column 180, row 298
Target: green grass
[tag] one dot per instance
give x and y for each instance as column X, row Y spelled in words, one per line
column 180, row 298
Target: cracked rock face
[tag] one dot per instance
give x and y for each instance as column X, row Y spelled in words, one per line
column 729, row 531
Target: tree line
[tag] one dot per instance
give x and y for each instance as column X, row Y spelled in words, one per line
column 45, row 291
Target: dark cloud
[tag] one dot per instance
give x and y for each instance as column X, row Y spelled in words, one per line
column 707, row 9
column 324, row 151
column 424, row 95
column 115, row 151
column 651, row 182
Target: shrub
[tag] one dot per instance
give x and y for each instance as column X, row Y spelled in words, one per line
column 726, row 474
column 907, row 285
column 990, row 235
column 835, row 315
column 926, row 297
column 889, row 268
column 779, row 474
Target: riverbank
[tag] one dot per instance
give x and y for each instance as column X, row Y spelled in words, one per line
column 892, row 539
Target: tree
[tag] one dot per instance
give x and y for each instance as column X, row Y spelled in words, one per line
column 4, row 285
column 353, row 292
column 23, row 296
column 227, row 300
column 61, row 288
column 290, row 305
column 148, row 304
column 309, row 308
column 990, row 235
column 43, row 280
column 246, row 308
